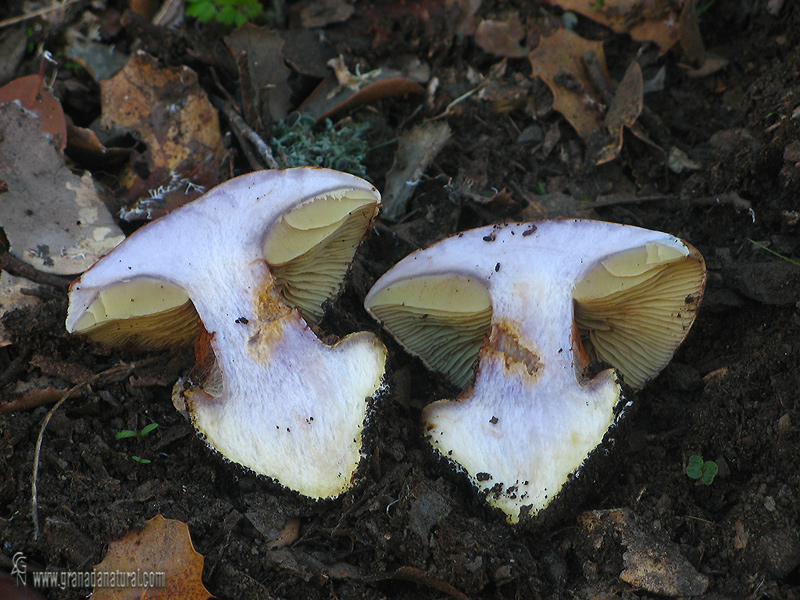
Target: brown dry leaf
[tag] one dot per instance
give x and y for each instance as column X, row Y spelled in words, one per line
column 36, row 97
column 690, row 38
column 558, row 61
column 421, row 578
column 416, row 150
column 501, row 38
column 462, row 12
column 623, row 112
column 55, row 220
column 345, row 90
column 266, row 96
column 168, row 111
column 556, row 205
column 163, row 545
column 654, row 21
column 84, row 147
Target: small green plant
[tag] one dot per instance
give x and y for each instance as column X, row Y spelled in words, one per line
column 227, row 12
column 298, row 143
column 132, row 433
column 705, row 471
column 129, row 433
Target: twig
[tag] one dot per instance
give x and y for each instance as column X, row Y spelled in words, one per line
column 36, row 13
column 244, row 129
column 122, row 369
column 14, row 266
column 460, row 99
column 16, row 367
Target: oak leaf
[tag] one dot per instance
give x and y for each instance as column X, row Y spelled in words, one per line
column 558, row 61
column 162, row 546
column 655, row 21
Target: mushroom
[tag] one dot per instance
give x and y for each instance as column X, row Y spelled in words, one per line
column 534, row 305
column 241, row 270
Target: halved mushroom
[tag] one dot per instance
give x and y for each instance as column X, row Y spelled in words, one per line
column 532, row 305
column 266, row 392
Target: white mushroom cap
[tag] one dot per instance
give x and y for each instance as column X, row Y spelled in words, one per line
column 519, row 298
column 269, row 394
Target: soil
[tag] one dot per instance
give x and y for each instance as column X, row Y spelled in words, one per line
column 411, row 528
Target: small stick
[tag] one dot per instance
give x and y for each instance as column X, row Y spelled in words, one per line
column 244, row 129
column 35, row 13
column 14, row 266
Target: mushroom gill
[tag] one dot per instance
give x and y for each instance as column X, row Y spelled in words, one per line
column 634, row 308
column 310, row 248
column 141, row 314
column 443, row 319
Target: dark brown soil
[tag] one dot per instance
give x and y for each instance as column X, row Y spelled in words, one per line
column 411, row 528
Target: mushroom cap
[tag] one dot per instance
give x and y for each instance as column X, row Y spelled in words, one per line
column 266, row 392
column 533, row 304
column 310, row 220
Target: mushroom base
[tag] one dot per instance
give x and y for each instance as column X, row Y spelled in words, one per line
column 293, row 411
column 534, row 436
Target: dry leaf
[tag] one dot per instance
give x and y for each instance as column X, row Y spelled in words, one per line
column 345, row 90
column 84, row 147
column 55, row 221
column 168, row 111
column 266, row 96
column 31, row 92
column 163, row 545
column 623, row 112
column 692, row 44
column 654, row 21
column 501, row 38
column 100, row 60
column 416, row 150
column 558, row 61
column 422, row 578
